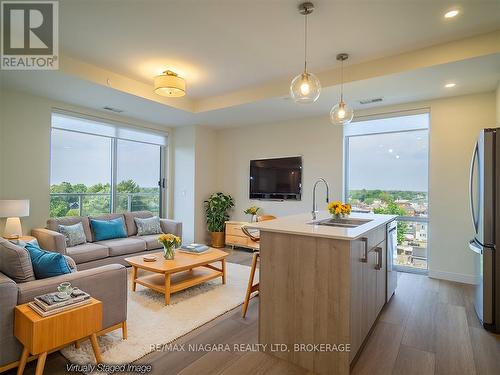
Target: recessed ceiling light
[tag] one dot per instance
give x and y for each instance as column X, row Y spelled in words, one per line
column 451, row 13
column 397, row 156
column 450, row 85
column 390, row 150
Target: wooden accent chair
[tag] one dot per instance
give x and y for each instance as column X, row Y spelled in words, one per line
column 254, row 236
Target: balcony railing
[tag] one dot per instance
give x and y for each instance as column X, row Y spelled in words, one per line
column 88, row 204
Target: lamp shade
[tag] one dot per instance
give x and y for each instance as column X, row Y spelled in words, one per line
column 14, row 208
column 170, row 84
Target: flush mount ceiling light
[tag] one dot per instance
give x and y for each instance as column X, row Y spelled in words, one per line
column 341, row 113
column 170, row 84
column 305, row 88
column 450, row 85
column 451, row 13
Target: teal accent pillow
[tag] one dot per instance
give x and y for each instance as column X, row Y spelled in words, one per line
column 108, row 229
column 46, row 263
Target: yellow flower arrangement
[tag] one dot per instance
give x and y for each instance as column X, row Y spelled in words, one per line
column 338, row 208
column 169, row 241
column 251, row 210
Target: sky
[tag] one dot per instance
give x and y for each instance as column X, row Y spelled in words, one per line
column 391, row 161
column 82, row 158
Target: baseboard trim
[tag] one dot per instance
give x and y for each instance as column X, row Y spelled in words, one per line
column 451, row 276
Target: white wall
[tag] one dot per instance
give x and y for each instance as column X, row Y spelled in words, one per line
column 25, row 149
column 184, row 179
column 455, row 123
column 206, row 177
column 315, row 139
column 498, row 103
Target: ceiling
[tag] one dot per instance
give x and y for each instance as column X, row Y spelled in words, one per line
column 226, row 45
column 230, row 48
column 472, row 76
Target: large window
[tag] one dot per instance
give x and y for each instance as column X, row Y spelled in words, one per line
column 386, row 172
column 98, row 168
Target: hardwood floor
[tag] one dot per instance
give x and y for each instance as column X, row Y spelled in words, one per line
column 429, row 327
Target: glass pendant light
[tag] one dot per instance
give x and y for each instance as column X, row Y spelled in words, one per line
column 341, row 113
column 305, row 88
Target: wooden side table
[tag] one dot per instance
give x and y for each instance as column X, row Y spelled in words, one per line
column 40, row 335
column 22, row 238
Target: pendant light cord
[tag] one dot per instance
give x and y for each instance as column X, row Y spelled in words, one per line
column 305, row 44
column 342, row 81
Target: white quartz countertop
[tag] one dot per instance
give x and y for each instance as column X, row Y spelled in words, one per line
column 304, row 225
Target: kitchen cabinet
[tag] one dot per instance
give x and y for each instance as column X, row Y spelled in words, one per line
column 322, row 285
column 368, row 285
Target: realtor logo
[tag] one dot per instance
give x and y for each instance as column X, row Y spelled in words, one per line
column 30, row 35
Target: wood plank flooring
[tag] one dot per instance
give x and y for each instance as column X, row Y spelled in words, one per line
column 429, row 327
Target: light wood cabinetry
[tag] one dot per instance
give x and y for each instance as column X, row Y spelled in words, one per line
column 236, row 237
column 320, row 290
column 368, row 285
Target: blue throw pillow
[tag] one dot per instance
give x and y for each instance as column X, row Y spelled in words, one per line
column 46, row 263
column 108, row 229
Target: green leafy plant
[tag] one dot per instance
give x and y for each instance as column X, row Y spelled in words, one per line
column 217, row 211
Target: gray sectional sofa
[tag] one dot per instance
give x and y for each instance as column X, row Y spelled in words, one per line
column 97, row 253
column 18, row 285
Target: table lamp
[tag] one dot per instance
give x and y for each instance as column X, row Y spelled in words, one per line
column 13, row 210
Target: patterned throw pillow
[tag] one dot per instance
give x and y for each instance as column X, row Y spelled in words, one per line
column 74, row 234
column 151, row 225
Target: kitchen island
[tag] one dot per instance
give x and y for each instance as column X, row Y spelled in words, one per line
column 322, row 286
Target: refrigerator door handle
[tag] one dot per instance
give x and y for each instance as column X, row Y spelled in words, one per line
column 475, row 247
column 475, row 155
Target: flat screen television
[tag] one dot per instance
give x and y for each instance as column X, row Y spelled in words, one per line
column 279, row 178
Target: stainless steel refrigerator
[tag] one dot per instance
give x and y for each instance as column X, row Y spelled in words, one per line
column 484, row 186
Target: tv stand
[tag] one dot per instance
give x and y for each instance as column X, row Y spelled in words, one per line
column 236, row 238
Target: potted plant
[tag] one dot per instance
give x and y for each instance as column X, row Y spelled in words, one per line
column 253, row 212
column 216, row 211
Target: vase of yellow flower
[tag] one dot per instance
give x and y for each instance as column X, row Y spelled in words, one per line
column 339, row 209
column 253, row 212
column 169, row 242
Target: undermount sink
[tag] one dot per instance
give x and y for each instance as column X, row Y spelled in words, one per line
column 341, row 222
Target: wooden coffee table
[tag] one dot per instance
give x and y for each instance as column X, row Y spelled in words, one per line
column 185, row 271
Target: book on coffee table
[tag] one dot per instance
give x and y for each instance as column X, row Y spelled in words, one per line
column 194, row 248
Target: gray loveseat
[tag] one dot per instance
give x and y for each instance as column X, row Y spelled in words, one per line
column 97, row 253
column 18, row 285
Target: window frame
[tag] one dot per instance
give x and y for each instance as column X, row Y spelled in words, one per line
column 164, row 153
column 345, row 195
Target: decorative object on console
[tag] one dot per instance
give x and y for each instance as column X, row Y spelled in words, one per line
column 169, row 242
column 170, row 84
column 305, row 88
column 13, row 210
column 341, row 113
column 339, row 209
column 216, row 211
column 252, row 211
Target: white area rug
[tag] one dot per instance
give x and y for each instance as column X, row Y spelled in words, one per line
column 151, row 322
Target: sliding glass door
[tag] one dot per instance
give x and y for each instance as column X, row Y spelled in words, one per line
column 138, row 178
column 386, row 172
